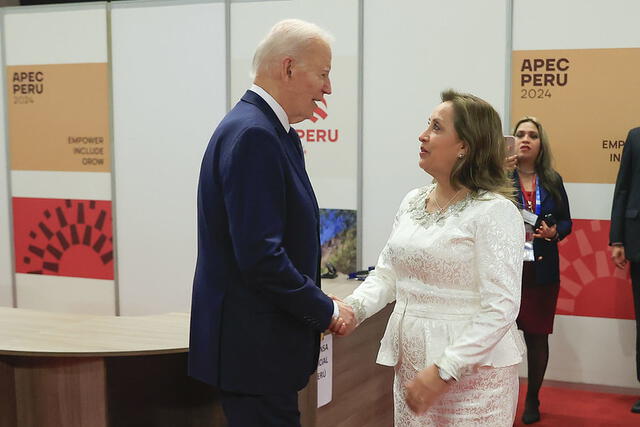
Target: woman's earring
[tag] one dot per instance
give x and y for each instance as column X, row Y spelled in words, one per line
column 460, row 155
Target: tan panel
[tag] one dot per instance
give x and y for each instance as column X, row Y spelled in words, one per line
column 587, row 99
column 59, row 117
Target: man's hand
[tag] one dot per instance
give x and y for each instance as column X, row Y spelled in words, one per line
column 424, row 390
column 345, row 323
column 618, row 257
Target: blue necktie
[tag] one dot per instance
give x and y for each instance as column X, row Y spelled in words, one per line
column 296, row 139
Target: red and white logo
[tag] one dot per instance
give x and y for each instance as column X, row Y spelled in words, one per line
column 319, row 135
column 320, row 112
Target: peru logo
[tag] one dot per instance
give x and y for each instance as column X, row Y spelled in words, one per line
column 319, row 135
column 320, row 112
column 63, row 237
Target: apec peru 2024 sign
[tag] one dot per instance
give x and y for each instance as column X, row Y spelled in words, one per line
column 59, row 117
column 587, row 99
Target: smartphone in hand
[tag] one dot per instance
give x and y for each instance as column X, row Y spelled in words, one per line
column 510, row 144
column 549, row 219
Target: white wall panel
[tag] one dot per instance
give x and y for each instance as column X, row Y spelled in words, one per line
column 53, row 35
column 411, row 53
column 65, row 294
column 61, row 185
column 6, row 269
column 57, row 35
column 590, row 201
column 575, row 24
column 593, row 351
column 332, row 167
column 169, row 94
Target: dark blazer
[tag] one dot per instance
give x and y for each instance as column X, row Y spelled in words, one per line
column 548, row 268
column 625, row 212
column 257, row 309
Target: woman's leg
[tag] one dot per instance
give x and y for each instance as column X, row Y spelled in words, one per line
column 537, row 359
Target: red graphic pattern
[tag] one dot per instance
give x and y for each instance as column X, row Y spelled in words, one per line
column 320, row 112
column 63, row 237
column 590, row 285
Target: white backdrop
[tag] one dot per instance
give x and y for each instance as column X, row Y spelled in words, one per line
column 6, row 269
column 60, row 35
column 332, row 166
column 584, row 349
column 169, row 86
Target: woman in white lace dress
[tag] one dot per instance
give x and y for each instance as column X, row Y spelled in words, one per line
column 453, row 265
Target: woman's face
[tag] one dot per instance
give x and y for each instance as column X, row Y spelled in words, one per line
column 527, row 141
column 440, row 144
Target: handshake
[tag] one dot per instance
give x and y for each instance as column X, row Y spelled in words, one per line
column 346, row 322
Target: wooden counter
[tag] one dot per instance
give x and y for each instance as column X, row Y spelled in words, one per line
column 68, row 370
column 36, row 333
column 72, row 370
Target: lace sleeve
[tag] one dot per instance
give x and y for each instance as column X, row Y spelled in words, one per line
column 379, row 289
column 498, row 264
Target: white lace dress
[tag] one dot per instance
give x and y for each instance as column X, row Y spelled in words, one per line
column 456, row 279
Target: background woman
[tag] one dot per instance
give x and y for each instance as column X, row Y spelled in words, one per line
column 540, row 191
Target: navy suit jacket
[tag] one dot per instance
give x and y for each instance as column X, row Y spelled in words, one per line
column 257, row 308
column 548, row 268
column 625, row 212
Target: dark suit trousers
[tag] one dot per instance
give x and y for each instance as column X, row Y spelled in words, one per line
column 635, row 285
column 273, row 410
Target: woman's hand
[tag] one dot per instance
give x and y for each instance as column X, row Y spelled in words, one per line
column 511, row 162
column 424, row 390
column 545, row 232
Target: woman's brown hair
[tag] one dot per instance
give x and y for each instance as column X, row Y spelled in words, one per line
column 478, row 124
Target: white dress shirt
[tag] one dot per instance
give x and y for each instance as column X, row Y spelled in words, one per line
column 277, row 108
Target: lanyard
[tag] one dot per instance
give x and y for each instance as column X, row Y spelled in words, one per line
column 534, row 183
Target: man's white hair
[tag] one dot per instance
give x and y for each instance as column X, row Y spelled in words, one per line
column 287, row 38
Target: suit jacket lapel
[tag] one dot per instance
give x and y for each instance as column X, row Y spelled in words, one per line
column 288, row 140
column 516, row 179
column 543, row 195
column 297, row 158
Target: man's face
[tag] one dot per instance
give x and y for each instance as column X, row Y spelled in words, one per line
column 308, row 81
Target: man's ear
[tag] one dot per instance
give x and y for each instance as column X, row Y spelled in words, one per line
column 287, row 67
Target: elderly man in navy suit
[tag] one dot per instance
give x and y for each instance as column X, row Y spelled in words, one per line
column 257, row 309
column 624, row 235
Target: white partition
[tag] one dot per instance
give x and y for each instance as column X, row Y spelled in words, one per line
column 585, row 349
column 330, row 143
column 6, row 269
column 411, row 53
column 68, row 45
column 169, row 93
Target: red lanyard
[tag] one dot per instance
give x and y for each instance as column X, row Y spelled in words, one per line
column 529, row 196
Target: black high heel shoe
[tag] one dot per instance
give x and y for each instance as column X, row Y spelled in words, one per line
column 531, row 412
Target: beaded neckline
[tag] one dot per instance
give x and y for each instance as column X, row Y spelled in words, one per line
column 418, row 212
